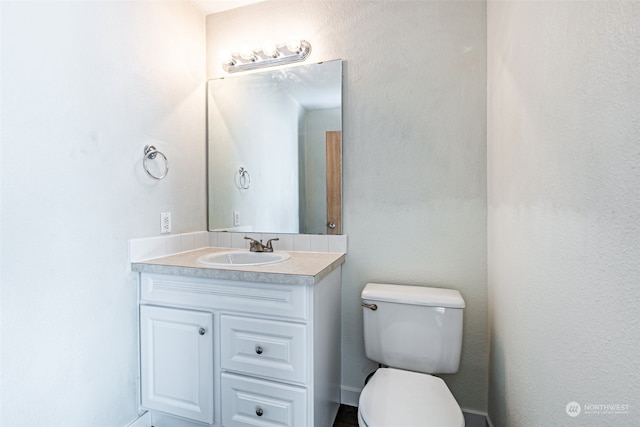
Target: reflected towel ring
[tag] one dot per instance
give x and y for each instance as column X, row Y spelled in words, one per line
column 150, row 152
column 244, row 180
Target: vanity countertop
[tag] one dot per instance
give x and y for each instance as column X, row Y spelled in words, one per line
column 303, row 268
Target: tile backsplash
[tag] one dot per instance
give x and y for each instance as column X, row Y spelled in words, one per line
column 154, row 247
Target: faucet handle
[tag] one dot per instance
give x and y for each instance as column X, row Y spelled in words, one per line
column 254, row 245
column 269, row 247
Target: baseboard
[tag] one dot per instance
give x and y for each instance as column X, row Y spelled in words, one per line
column 143, row 420
column 349, row 395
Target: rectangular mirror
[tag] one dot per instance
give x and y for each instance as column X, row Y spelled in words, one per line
column 274, row 150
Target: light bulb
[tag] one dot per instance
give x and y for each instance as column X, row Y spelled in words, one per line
column 246, row 52
column 293, row 44
column 226, row 58
column 269, row 49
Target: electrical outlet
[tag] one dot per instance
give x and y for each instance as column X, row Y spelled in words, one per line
column 165, row 222
column 236, row 218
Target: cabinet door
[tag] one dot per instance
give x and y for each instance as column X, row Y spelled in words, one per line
column 176, row 351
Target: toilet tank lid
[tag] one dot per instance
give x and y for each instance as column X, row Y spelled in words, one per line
column 417, row 295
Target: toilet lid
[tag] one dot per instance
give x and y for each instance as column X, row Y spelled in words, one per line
column 401, row 398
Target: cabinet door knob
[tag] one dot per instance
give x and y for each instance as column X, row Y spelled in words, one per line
column 258, row 349
column 259, row 411
column 202, row 331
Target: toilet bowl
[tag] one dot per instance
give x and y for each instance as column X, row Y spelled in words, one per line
column 397, row 398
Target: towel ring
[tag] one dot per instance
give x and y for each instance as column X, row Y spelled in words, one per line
column 244, row 180
column 150, row 152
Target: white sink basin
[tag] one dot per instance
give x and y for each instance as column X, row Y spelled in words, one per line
column 242, row 259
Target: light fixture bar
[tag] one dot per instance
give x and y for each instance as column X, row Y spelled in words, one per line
column 282, row 54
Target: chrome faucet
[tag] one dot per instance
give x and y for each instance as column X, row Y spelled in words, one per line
column 255, row 246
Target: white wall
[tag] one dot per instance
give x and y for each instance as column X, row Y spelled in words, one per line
column 85, row 86
column 564, row 203
column 414, row 150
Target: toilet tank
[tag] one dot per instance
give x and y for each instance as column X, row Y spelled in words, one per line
column 413, row 327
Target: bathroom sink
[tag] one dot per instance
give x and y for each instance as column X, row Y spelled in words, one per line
column 242, row 259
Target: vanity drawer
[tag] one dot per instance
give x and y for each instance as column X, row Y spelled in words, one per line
column 266, row 348
column 267, row 299
column 254, row 402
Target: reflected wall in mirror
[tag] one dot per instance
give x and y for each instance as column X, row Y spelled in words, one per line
column 275, row 150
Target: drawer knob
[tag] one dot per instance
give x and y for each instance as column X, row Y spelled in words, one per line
column 259, row 411
column 202, row 331
column 259, row 351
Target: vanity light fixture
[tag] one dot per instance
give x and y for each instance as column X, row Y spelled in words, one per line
column 269, row 55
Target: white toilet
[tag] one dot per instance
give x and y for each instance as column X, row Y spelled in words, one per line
column 415, row 331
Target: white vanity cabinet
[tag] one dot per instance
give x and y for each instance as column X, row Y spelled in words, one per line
column 237, row 353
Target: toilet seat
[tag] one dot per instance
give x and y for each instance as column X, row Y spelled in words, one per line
column 394, row 397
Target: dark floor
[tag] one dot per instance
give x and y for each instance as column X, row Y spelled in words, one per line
column 347, row 417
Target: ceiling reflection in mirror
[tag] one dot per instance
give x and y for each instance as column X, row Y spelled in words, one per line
column 274, row 156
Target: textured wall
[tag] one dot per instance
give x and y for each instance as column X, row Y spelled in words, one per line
column 85, row 86
column 414, row 134
column 564, row 203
